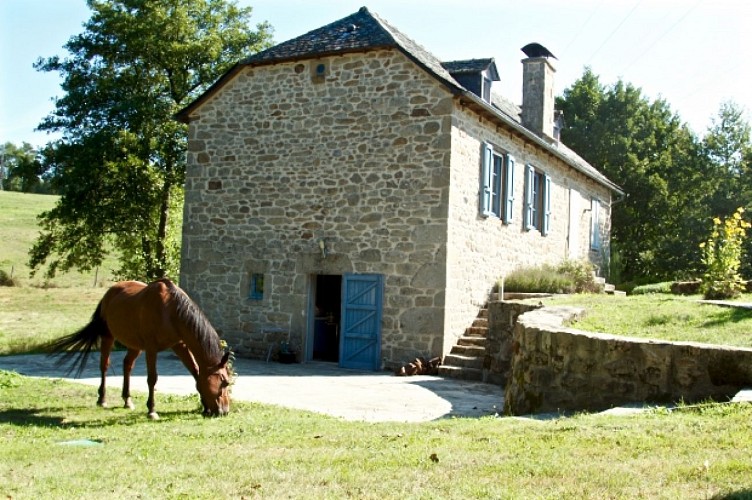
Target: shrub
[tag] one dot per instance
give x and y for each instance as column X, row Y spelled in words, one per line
column 686, row 287
column 567, row 277
column 722, row 256
column 582, row 272
column 7, row 280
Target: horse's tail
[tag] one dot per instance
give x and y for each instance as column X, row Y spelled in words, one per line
column 74, row 349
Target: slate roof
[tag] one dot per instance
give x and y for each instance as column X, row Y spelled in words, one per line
column 471, row 66
column 365, row 31
column 360, row 31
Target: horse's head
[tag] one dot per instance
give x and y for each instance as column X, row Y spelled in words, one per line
column 214, row 387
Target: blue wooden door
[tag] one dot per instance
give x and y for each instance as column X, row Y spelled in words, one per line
column 360, row 338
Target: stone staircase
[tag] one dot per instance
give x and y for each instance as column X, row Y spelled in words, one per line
column 469, row 359
column 465, row 360
column 608, row 287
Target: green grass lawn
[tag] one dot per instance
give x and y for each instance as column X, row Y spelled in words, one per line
column 270, row 452
column 662, row 316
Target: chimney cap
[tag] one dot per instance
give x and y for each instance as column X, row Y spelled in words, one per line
column 537, row 50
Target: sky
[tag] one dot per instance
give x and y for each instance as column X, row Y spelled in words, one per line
column 695, row 54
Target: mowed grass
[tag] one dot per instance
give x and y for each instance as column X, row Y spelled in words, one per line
column 270, row 452
column 662, row 316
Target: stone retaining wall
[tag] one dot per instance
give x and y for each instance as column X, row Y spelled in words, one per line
column 502, row 317
column 554, row 368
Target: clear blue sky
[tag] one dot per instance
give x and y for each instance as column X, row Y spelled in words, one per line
column 693, row 53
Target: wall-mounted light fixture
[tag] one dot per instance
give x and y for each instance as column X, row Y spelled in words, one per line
column 322, row 247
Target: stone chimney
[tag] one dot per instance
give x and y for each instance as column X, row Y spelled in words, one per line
column 538, row 91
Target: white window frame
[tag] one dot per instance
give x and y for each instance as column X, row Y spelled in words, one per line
column 595, row 224
column 537, row 200
column 497, row 184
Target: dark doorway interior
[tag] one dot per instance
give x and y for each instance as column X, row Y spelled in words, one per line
column 328, row 305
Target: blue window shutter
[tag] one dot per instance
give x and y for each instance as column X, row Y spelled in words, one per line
column 509, row 190
column 595, row 229
column 529, row 180
column 485, row 180
column 546, row 205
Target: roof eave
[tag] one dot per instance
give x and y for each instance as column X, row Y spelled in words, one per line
column 479, row 104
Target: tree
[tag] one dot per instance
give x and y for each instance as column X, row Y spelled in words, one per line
column 120, row 164
column 644, row 147
column 21, row 169
column 727, row 149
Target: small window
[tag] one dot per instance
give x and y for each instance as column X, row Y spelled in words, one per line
column 595, row 224
column 537, row 200
column 497, row 189
column 257, row 287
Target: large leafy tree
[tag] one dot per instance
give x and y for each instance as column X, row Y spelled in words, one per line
column 728, row 150
column 645, row 148
column 120, row 164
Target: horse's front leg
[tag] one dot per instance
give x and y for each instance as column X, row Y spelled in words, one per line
column 151, row 379
column 104, row 365
column 128, row 361
column 189, row 361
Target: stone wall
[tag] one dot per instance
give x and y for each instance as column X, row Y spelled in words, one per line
column 555, row 368
column 279, row 161
column 480, row 250
column 381, row 163
column 502, row 318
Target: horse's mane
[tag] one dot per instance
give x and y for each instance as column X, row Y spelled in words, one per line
column 189, row 312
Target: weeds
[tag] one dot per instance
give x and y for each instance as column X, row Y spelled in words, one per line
column 566, row 277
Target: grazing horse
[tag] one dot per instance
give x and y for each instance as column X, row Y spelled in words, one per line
column 152, row 318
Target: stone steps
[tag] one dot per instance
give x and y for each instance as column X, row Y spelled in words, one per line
column 465, row 360
column 468, row 350
column 474, row 340
column 461, row 373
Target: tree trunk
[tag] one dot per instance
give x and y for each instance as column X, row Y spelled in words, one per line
column 164, row 214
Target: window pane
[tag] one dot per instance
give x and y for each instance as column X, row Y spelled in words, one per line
column 257, row 286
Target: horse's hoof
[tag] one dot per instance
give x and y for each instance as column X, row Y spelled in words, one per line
column 103, row 404
column 128, row 404
column 153, row 416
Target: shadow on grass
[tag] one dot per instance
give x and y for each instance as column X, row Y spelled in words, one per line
column 71, row 417
column 32, row 417
column 736, row 495
column 731, row 315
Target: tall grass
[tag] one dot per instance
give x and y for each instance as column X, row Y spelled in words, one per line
column 565, row 277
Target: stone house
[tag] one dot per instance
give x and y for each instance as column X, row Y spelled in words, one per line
column 349, row 193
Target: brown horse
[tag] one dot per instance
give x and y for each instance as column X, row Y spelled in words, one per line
column 152, row 318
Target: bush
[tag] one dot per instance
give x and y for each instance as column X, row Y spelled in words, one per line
column 663, row 287
column 722, row 255
column 686, row 287
column 7, row 280
column 567, row 277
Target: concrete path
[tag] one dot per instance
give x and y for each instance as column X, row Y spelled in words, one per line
column 317, row 387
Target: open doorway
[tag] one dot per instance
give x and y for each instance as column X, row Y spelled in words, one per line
column 327, row 311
